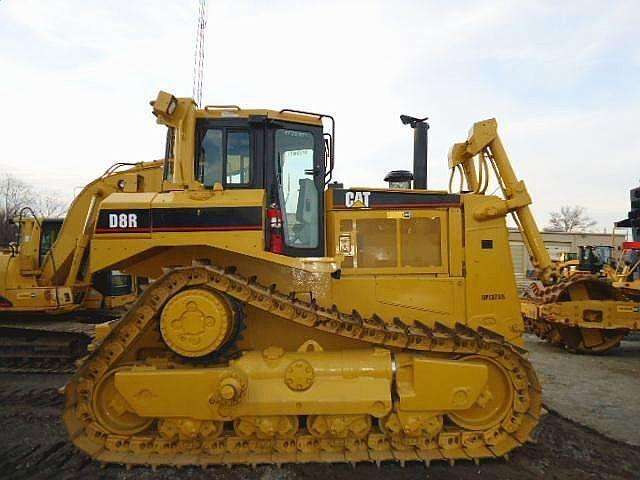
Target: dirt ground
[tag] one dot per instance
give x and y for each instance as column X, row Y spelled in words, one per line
column 34, row 443
column 601, row 392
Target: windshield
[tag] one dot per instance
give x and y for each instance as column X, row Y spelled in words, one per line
column 50, row 230
column 121, row 283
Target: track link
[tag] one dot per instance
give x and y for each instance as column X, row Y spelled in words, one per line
column 450, row 444
column 44, row 345
column 37, row 365
column 34, row 397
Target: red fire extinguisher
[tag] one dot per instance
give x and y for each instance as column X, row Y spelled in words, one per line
column 274, row 215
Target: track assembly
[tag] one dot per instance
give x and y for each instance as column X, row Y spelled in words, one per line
column 111, row 424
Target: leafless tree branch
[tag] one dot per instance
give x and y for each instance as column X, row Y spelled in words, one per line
column 570, row 219
column 15, row 195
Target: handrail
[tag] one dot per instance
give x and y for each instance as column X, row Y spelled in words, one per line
column 222, row 107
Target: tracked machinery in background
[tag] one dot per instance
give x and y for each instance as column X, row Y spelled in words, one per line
column 294, row 320
column 594, row 303
column 50, row 301
column 588, row 260
column 626, row 276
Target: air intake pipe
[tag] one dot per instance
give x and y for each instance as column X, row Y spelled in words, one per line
column 420, row 147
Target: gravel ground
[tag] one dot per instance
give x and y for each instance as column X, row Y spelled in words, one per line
column 601, row 392
column 35, row 446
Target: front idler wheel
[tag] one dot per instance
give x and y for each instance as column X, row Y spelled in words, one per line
column 494, row 403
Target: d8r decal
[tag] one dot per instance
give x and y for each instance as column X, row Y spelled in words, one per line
column 135, row 220
column 123, row 220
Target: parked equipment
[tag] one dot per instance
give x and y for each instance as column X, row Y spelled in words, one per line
column 627, row 274
column 594, row 303
column 294, row 320
column 50, row 298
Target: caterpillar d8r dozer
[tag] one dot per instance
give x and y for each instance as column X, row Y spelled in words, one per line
column 294, row 320
column 49, row 300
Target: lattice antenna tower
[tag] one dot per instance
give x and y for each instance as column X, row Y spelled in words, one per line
column 198, row 63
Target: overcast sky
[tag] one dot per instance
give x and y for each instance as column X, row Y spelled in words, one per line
column 562, row 78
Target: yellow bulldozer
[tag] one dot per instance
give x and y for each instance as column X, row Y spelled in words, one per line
column 294, row 320
column 50, row 300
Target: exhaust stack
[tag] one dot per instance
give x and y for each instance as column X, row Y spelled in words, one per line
column 420, row 149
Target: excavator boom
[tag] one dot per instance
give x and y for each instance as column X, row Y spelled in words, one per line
column 50, row 298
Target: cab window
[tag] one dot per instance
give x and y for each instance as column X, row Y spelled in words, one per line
column 238, row 164
column 224, row 156
column 210, row 158
column 49, row 235
column 121, row 283
column 169, row 155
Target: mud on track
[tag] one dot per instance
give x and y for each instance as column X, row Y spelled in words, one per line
column 34, row 446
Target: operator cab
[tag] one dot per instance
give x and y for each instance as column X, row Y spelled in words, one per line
column 593, row 258
column 285, row 159
column 285, row 153
column 35, row 237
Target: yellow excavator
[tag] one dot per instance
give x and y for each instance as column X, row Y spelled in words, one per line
column 292, row 319
column 49, row 298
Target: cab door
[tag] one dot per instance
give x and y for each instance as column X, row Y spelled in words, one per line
column 295, row 184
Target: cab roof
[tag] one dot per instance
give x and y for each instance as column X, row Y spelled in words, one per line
column 233, row 111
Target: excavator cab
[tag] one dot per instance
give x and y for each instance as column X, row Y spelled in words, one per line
column 34, row 239
column 21, row 268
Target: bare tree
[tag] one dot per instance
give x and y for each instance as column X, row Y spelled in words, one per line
column 570, row 219
column 49, row 205
column 15, row 195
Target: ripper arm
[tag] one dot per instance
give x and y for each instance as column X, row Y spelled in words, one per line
column 483, row 141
